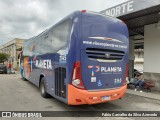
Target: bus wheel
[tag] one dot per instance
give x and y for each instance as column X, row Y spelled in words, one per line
column 44, row 94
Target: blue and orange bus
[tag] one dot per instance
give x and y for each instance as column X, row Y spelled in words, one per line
column 80, row 60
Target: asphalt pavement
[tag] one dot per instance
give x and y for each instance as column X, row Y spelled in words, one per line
column 19, row 95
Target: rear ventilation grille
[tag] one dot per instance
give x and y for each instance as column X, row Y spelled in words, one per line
column 60, row 85
column 104, row 54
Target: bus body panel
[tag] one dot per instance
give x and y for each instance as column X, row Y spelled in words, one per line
column 95, row 81
column 32, row 72
column 100, row 75
column 80, row 97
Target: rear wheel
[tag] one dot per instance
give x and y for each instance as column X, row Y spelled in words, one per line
column 44, row 94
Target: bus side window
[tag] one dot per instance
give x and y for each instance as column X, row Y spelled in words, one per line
column 40, row 46
column 36, row 48
column 47, row 43
column 25, row 49
column 59, row 35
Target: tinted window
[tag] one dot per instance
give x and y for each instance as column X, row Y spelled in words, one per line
column 26, row 50
column 101, row 26
column 59, row 35
column 51, row 41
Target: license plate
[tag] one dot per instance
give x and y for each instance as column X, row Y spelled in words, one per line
column 105, row 98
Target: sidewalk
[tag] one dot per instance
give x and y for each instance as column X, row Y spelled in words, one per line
column 151, row 95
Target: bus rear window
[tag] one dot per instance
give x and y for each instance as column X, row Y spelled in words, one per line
column 101, row 26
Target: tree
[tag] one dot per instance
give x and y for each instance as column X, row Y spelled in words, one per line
column 3, row 57
column 19, row 49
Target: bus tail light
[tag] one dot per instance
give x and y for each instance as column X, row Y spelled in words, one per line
column 126, row 76
column 77, row 76
column 83, row 11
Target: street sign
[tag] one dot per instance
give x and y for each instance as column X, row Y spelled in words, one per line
column 129, row 7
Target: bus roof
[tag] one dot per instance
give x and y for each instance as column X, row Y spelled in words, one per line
column 68, row 16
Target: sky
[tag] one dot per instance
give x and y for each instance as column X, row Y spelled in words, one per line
column 27, row 18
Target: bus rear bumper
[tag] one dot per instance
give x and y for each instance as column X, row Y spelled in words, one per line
column 78, row 97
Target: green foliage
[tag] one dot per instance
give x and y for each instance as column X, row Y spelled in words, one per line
column 3, row 57
column 19, row 49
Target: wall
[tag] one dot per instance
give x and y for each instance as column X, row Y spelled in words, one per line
column 131, row 57
column 136, row 55
column 152, row 54
column 139, row 59
column 151, row 49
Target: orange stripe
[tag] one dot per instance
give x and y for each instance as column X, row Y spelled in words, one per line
column 90, row 66
column 87, row 97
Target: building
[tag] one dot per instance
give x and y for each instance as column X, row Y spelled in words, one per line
column 139, row 59
column 11, row 48
column 138, row 52
column 143, row 20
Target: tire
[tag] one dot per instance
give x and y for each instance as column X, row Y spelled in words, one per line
column 44, row 94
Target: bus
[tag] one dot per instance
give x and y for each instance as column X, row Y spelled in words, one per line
column 83, row 59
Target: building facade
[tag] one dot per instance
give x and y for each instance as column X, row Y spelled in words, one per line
column 139, row 59
column 143, row 20
column 12, row 49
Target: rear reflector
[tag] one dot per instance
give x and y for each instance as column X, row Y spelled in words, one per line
column 78, row 100
column 76, row 82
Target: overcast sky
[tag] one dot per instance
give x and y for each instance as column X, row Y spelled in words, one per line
column 27, row 18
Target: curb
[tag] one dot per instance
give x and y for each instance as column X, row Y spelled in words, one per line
column 145, row 95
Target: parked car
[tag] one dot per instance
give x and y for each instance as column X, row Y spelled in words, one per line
column 3, row 68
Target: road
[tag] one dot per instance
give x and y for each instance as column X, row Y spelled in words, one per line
column 19, row 95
